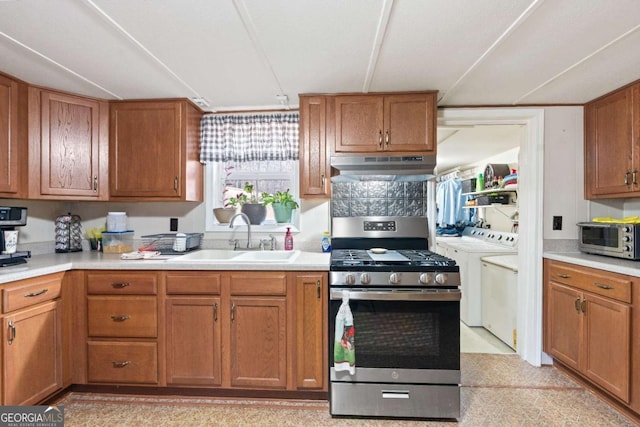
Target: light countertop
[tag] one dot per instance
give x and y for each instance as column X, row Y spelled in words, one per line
column 90, row 260
column 616, row 265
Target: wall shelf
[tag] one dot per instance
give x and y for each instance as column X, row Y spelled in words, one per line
column 512, row 189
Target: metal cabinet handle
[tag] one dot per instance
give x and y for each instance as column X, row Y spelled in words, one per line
column 634, row 176
column 175, row 184
column 603, row 286
column 120, row 285
column 380, row 138
column 626, row 177
column 95, row 183
column 120, row 318
column 12, row 332
column 233, row 312
column 215, row 312
column 35, row 294
column 583, row 306
column 117, row 364
column 386, row 138
column 318, row 296
column 576, row 304
column 564, row 276
column 322, row 184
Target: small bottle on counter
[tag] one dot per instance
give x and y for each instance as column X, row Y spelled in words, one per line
column 326, row 242
column 288, row 240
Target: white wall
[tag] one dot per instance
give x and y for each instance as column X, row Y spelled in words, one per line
column 563, row 171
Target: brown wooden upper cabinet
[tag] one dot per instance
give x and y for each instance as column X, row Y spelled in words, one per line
column 68, row 142
column 393, row 123
column 314, row 148
column 154, row 151
column 13, row 138
column 612, row 145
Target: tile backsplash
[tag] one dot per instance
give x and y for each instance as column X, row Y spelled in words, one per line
column 379, row 198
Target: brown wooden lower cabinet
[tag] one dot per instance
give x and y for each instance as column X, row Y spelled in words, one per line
column 587, row 326
column 31, row 340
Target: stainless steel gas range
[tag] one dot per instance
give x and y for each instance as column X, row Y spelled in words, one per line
column 405, row 306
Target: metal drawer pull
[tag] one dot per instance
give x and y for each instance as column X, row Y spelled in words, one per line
column 35, row 294
column 602, row 286
column 120, row 364
column 564, row 276
column 583, row 306
column 120, row 285
column 576, row 304
column 120, row 318
column 395, row 394
column 12, row 332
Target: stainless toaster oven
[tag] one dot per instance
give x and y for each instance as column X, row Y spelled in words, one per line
column 610, row 239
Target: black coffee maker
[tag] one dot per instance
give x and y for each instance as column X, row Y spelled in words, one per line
column 10, row 218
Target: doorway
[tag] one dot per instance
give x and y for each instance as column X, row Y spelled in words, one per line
column 530, row 184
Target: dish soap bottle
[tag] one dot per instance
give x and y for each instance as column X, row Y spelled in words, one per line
column 480, row 183
column 326, row 242
column 288, row 240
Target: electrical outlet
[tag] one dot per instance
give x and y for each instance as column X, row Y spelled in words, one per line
column 557, row 223
column 173, row 224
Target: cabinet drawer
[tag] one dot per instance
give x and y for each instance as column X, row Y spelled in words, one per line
column 31, row 291
column 193, row 283
column 122, row 317
column 123, row 362
column 258, row 283
column 611, row 285
column 122, row 283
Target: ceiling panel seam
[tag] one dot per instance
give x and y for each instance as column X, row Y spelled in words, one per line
column 247, row 22
column 383, row 23
column 586, row 58
column 59, row 65
column 519, row 21
column 141, row 46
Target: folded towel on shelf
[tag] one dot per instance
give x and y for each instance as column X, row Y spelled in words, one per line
column 344, row 350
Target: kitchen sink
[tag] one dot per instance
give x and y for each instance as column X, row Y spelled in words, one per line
column 214, row 255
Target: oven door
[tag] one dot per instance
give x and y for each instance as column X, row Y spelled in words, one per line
column 401, row 336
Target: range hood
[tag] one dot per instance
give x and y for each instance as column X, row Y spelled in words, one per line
column 394, row 168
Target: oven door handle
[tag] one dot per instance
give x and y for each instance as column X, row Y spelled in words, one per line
column 395, row 295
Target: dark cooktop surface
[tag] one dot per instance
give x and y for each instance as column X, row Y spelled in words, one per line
column 417, row 259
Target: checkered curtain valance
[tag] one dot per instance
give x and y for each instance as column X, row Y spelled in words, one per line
column 249, row 137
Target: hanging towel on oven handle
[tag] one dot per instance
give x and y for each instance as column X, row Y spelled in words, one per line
column 344, row 350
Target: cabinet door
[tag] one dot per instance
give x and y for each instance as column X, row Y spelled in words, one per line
column 314, row 162
column 258, row 342
column 145, row 149
column 311, row 319
column 609, row 148
column 607, row 344
column 71, row 147
column 9, row 148
column 193, row 341
column 359, row 124
column 410, row 122
column 32, row 367
column 564, row 324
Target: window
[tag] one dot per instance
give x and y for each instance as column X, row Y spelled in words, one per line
column 261, row 149
column 226, row 179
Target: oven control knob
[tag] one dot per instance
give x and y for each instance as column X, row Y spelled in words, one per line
column 350, row 279
column 626, row 238
column 441, row 278
column 425, row 278
column 365, row 278
column 394, row 278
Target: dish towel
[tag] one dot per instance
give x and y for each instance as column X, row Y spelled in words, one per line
column 344, row 350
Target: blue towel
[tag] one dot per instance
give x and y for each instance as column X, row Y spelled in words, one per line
column 449, row 202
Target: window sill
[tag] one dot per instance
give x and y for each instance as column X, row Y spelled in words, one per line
column 262, row 228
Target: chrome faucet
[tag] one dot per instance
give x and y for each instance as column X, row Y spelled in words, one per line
column 246, row 219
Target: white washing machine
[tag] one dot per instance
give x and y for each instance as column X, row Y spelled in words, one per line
column 500, row 297
column 468, row 251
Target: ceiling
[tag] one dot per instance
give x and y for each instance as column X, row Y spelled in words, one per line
column 256, row 54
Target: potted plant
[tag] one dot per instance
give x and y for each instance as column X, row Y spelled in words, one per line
column 250, row 204
column 224, row 214
column 283, row 204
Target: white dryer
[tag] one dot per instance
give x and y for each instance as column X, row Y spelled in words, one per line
column 468, row 251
